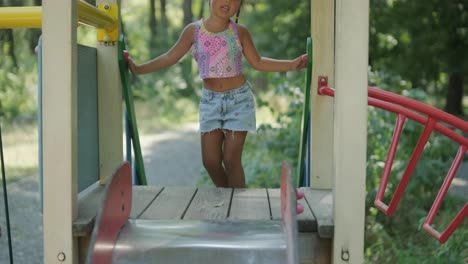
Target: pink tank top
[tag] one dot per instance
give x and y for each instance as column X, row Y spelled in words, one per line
column 218, row 55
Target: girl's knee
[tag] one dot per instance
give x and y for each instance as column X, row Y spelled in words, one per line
column 230, row 163
column 212, row 164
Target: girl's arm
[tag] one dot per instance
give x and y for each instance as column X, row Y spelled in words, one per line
column 180, row 48
column 263, row 63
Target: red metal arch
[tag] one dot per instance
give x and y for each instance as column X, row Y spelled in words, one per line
column 432, row 119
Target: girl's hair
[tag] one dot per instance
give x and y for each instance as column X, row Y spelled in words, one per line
column 238, row 12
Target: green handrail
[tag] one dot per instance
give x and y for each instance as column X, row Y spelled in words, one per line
column 128, row 96
column 305, row 117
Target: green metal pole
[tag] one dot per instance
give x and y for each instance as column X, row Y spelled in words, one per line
column 128, row 96
column 305, row 117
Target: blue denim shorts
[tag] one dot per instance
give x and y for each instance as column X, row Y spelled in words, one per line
column 231, row 110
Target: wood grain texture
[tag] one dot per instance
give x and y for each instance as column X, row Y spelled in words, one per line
column 209, row 204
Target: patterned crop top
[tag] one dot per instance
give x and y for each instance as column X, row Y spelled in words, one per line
column 218, row 55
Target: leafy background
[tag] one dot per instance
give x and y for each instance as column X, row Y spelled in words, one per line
column 417, row 48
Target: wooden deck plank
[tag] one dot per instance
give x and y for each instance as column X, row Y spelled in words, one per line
column 306, row 221
column 88, row 206
column 209, row 204
column 321, row 203
column 250, row 204
column 171, row 203
column 275, row 203
column 142, row 197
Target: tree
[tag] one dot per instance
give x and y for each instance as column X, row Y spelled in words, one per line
column 152, row 24
column 201, row 11
column 7, row 44
column 164, row 22
column 188, row 14
column 425, row 42
column 187, row 64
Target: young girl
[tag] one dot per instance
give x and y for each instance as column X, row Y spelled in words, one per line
column 227, row 104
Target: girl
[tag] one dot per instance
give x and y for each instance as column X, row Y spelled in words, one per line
column 227, row 104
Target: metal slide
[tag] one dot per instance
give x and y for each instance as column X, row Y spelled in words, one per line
column 117, row 239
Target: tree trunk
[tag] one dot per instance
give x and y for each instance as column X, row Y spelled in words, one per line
column 8, row 45
column 188, row 14
column 456, row 58
column 202, row 9
column 187, row 63
column 164, row 23
column 153, row 23
column 7, row 41
column 162, row 3
column 454, row 97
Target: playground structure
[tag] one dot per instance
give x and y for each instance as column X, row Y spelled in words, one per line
column 332, row 230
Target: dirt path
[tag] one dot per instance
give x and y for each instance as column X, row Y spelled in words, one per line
column 25, row 222
column 173, row 158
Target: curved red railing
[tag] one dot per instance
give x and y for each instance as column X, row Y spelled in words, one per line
column 432, row 119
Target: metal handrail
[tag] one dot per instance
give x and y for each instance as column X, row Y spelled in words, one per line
column 91, row 16
column 31, row 17
column 302, row 175
column 21, row 17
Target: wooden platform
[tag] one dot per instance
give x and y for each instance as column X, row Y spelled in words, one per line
column 209, row 203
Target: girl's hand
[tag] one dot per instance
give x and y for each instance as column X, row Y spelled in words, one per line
column 132, row 66
column 299, row 63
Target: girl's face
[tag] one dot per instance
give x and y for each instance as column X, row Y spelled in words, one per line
column 224, row 8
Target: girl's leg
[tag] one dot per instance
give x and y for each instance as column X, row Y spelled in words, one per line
column 232, row 158
column 212, row 156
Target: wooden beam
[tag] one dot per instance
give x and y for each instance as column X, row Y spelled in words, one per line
column 109, row 107
column 323, row 44
column 59, row 102
column 350, row 133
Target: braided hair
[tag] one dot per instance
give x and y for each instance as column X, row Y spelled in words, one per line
column 238, row 12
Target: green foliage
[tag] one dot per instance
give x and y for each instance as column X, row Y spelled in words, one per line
column 15, row 95
column 286, row 23
column 277, row 141
column 18, row 77
column 424, row 42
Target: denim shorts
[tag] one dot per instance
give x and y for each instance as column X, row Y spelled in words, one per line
column 231, row 110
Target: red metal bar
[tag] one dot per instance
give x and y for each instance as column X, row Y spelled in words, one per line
column 436, row 120
column 411, row 166
column 419, row 107
column 441, row 195
column 418, row 118
column 451, row 227
column 389, row 162
column 395, row 108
